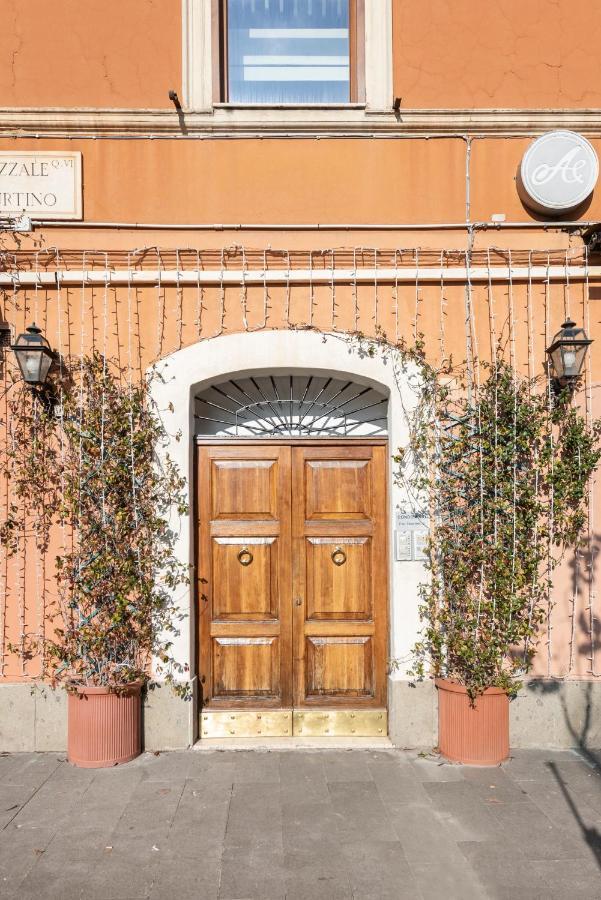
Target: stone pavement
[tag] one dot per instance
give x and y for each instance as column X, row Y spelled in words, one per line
column 301, row 824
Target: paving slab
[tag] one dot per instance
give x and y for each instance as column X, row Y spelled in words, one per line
column 359, row 812
column 346, row 765
column 579, row 879
column 252, row 871
column 505, row 874
column 379, row 869
column 461, row 810
column 179, row 877
column 531, row 832
column 308, row 820
column 555, row 802
column 47, row 880
column 437, row 880
column 199, row 824
column 362, row 824
column 316, row 867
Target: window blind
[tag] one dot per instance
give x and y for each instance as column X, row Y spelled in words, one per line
column 288, row 51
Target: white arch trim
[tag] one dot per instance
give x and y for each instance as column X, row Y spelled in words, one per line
column 193, row 368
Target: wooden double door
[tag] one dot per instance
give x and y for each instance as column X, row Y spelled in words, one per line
column 292, row 587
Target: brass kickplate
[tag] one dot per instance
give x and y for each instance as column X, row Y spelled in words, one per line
column 246, row 723
column 340, row 722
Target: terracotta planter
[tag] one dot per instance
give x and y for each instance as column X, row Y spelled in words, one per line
column 475, row 735
column 104, row 728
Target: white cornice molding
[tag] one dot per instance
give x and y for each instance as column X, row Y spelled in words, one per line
column 215, row 277
column 352, row 121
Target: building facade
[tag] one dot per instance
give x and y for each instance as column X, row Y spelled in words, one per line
column 228, row 190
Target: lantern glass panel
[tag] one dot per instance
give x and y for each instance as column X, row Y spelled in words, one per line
column 34, row 364
column 573, row 359
column 45, row 363
column 568, row 359
column 556, row 363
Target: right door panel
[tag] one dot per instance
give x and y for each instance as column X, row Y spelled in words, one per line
column 339, row 576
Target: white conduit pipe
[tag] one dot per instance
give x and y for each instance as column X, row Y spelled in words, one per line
column 194, row 277
column 316, row 226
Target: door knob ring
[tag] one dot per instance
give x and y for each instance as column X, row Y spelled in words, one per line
column 245, row 557
column 338, row 556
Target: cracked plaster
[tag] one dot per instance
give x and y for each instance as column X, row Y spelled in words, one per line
column 446, row 57
column 93, row 54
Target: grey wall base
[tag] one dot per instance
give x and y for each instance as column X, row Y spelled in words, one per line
column 34, row 718
column 412, row 714
column 546, row 714
column 169, row 722
column 556, row 715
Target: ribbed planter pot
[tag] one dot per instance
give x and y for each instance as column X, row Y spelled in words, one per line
column 475, row 735
column 104, row 728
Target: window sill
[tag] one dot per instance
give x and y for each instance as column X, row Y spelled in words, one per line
column 310, row 118
column 292, row 106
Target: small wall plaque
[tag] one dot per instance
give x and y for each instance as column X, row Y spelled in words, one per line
column 403, row 550
column 420, row 541
column 41, row 185
column 410, row 536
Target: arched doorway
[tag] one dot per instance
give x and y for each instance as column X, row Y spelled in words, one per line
column 292, row 556
column 184, row 376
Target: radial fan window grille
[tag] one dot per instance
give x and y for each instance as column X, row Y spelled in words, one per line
column 291, row 406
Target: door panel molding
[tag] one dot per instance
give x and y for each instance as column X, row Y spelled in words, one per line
column 342, row 590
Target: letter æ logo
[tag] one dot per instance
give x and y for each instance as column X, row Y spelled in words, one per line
column 558, row 172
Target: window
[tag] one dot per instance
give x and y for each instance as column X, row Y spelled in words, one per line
column 365, row 51
column 291, row 51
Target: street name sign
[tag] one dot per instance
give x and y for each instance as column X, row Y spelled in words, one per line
column 41, row 185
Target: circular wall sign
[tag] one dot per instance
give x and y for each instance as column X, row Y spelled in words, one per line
column 558, row 172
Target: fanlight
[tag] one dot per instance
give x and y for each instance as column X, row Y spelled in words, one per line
column 291, row 406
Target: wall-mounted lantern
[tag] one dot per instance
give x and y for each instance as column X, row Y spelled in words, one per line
column 566, row 356
column 34, row 356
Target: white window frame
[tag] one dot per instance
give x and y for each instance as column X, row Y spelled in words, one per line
column 197, row 68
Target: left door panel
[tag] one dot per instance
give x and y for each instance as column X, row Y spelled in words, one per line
column 244, row 584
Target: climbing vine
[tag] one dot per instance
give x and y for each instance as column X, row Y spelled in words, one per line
column 501, row 468
column 92, row 469
column 509, row 471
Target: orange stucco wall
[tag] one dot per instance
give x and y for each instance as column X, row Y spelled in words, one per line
column 107, row 53
column 461, row 54
column 93, row 53
column 279, row 181
column 268, row 181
